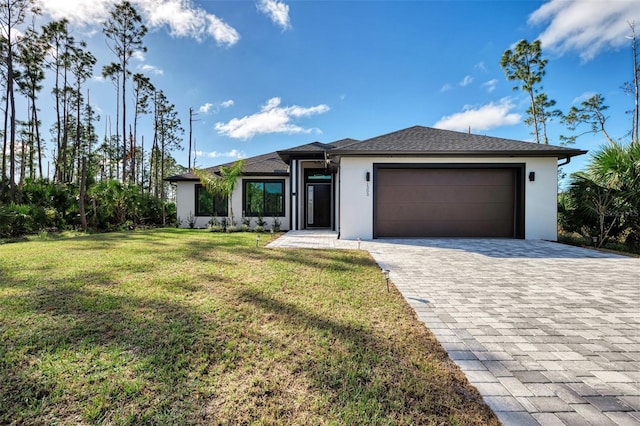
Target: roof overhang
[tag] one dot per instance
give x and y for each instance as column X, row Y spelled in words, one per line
column 287, row 156
column 483, row 154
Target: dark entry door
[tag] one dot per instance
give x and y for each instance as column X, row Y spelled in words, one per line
column 318, row 205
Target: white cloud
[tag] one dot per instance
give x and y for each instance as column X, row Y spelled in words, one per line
column 481, row 118
column 583, row 97
column 215, row 108
column 234, row 153
column 490, row 85
column 138, row 55
column 272, row 118
column 79, row 12
column 205, row 108
column 222, row 32
column 585, row 26
column 467, row 80
column 481, row 66
column 277, row 11
column 151, row 69
column 182, row 17
column 446, row 88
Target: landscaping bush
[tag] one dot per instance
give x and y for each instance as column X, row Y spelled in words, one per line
column 109, row 205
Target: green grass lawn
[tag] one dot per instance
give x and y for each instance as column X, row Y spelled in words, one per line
column 176, row 326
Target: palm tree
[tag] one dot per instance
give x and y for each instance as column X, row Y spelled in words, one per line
column 224, row 183
column 605, row 200
column 618, row 167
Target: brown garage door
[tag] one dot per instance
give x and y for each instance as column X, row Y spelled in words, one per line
column 445, row 202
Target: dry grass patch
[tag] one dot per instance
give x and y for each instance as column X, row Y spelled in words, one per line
column 184, row 326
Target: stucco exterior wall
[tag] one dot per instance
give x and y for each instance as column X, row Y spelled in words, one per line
column 356, row 194
column 186, row 204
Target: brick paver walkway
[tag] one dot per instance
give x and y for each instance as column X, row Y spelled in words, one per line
column 549, row 334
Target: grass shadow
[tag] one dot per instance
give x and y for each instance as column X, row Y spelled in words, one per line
column 135, row 355
column 368, row 378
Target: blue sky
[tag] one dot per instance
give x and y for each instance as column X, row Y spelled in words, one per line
column 266, row 75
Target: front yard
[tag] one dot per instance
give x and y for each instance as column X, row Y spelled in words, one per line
column 176, row 326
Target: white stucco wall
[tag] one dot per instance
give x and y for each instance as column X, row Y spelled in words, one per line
column 356, row 195
column 186, row 204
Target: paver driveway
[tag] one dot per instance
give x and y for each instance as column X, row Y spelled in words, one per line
column 548, row 333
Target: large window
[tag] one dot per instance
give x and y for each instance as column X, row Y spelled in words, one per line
column 208, row 204
column 263, row 198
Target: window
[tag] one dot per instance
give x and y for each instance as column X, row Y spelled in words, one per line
column 208, row 204
column 263, row 198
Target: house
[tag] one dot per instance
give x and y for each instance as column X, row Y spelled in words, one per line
column 415, row 182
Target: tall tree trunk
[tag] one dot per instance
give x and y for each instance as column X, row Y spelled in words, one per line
column 132, row 156
column 636, row 86
column 32, row 171
column 161, row 182
column 534, row 115
column 77, row 146
column 3, row 184
column 57, row 166
column 156, row 163
column 141, row 163
column 38, row 142
column 83, row 192
column 12, row 126
column 23, row 169
column 124, row 122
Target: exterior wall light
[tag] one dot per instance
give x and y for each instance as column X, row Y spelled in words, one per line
column 532, row 176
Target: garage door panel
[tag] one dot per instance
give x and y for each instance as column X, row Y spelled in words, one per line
column 443, row 177
column 444, row 228
column 451, row 194
column 445, row 202
column 481, row 212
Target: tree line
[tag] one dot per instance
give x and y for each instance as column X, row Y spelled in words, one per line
column 602, row 203
column 82, row 160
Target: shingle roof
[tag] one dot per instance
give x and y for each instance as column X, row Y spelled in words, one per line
column 416, row 140
column 262, row 165
column 343, row 143
column 419, row 140
column 314, row 149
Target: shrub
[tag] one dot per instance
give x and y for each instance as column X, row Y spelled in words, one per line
column 275, row 225
column 191, row 220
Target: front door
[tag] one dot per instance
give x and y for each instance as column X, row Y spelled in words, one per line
column 318, row 199
column 318, row 205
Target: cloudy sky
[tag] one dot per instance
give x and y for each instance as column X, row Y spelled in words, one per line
column 266, row 75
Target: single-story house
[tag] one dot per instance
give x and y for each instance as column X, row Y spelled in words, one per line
column 415, row 182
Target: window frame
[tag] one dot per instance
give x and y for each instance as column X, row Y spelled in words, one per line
column 214, row 213
column 245, row 210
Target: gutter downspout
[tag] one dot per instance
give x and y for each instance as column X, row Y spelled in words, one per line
column 567, row 160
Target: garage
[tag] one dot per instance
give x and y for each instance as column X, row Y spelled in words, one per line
column 456, row 201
